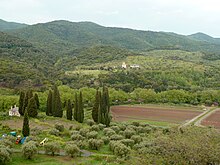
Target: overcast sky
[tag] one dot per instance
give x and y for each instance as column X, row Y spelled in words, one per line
column 179, row 16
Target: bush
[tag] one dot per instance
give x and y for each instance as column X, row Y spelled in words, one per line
column 128, row 133
column 92, row 135
column 90, row 122
column 10, row 138
column 121, row 133
column 77, row 137
column 121, row 150
column 5, row 155
column 59, row 127
column 83, row 131
column 51, row 147
column 35, row 131
column 72, row 149
column 109, row 132
column 54, row 132
column 75, row 133
column 135, row 123
column 115, row 128
column 29, row 149
column 105, row 139
column 95, row 128
column 132, row 127
column 122, row 127
column 78, row 127
column 143, row 129
column 6, row 143
column 128, row 142
column 95, row 144
column 136, row 138
column 101, row 126
column 82, row 144
column 116, row 137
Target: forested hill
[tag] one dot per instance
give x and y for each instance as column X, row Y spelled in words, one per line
column 5, row 26
column 61, row 37
column 205, row 37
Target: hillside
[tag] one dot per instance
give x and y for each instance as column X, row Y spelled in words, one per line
column 61, row 37
column 5, row 26
column 22, row 64
column 204, row 37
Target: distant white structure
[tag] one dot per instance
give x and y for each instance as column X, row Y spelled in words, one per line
column 134, row 66
column 14, row 111
column 124, row 66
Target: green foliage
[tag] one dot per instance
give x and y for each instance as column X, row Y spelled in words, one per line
column 69, row 111
column 116, row 137
column 95, row 144
column 92, row 135
column 90, row 122
column 32, row 108
column 136, row 138
column 80, row 115
column 29, row 149
column 72, row 150
column 37, row 100
column 5, row 155
column 128, row 142
column 51, row 147
column 95, row 128
column 59, row 127
column 105, row 139
column 49, row 110
column 26, row 129
column 21, row 102
column 95, row 110
column 128, row 133
column 77, row 137
column 57, row 105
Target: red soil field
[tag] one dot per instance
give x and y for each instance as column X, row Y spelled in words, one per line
column 125, row 113
column 212, row 120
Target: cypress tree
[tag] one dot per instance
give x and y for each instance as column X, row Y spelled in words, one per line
column 95, row 109
column 37, row 100
column 28, row 95
column 49, row 104
column 105, row 107
column 69, row 112
column 99, row 109
column 80, row 109
column 32, row 108
column 21, row 102
column 57, row 105
column 75, row 115
column 26, row 129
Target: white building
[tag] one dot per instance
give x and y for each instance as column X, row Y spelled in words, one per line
column 14, row 111
column 124, row 66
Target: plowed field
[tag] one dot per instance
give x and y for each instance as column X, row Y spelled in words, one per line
column 212, row 120
column 125, row 113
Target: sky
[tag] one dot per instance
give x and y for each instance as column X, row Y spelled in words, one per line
column 179, row 16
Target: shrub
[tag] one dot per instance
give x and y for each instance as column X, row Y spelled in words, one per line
column 121, row 150
column 121, row 133
column 92, row 135
column 35, row 131
column 72, row 149
column 115, row 128
column 143, row 129
column 5, row 155
column 132, row 127
column 128, row 142
column 29, row 149
column 122, row 127
column 95, row 128
column 75, row 132
column 90, row 122
column 135, row 123
column 82, row 144
column 105, row 139
column 54, row 132
column 51, row 147
column 77, row 137
column 101, row 126
column 109, row 132
column 59, row 127
column 116, row 137
column 6, row 143
column 95, row 144
column 136, row 138
column 128, row 133
column 78, row 127
column 10, row 138
column 83, row 131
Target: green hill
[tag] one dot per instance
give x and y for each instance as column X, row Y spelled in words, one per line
column 61, row 37
column 5, row 26
column 204, row 37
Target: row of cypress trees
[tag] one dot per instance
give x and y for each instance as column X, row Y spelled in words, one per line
column 29, row 102
column 101, row 108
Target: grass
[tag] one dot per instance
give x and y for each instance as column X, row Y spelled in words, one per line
column 95, row 73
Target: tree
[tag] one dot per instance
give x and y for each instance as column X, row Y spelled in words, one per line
column 80, row 109
column 32, row 108
column 26, row 129
column 28, row 95
column 96, row 107
column 57, row 105
column 37, row 100
column 49, row 104
column 76, row 108
column 5, row 155
column 105, row 107
column 52, row 147
column 21, row 102
column 72, row 150
column 69, row 112
column 29, row 149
